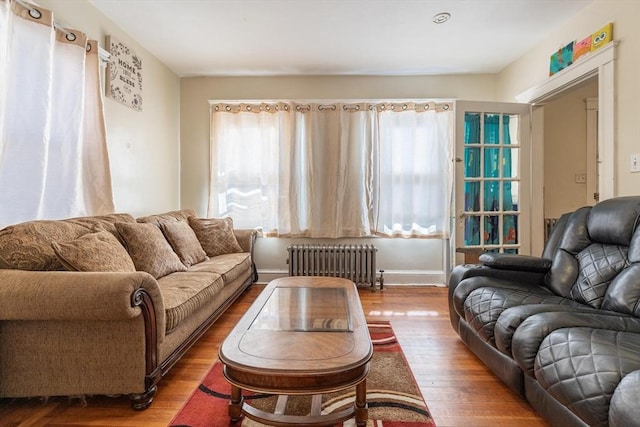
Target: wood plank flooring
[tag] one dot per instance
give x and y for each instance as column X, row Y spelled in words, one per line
column 457, row 387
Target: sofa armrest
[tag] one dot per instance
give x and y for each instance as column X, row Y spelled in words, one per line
column 65, row 295
column 246, row 238
column 514, row 262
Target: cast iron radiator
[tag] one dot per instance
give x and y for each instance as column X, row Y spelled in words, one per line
column 353, row 262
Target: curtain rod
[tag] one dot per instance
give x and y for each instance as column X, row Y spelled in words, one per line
column 102, row 53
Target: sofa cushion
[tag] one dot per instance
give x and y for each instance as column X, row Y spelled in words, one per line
column 581, row 368
column 599, row 264
column 185, row 292
column 149, row 250
column 103, row 222
column 230, row 266
column 184, row 242
column 483, row 306
column 216, row 235
column 27, row 246
column 181, row 215
column 99, row 251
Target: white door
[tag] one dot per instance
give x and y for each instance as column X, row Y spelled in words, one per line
column 492, row 181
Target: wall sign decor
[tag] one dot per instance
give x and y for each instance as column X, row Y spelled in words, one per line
column 124, row 75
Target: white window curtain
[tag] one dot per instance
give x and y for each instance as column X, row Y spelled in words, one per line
column 53, row 157
column 251, row 149
column 415, row 169
column 332, row 170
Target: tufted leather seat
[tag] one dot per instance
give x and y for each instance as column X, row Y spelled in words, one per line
column 563, row 330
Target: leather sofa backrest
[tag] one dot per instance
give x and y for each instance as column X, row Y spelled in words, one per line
column 594, row 255
column 614, row 221
column 623, row 294
column 553, row 241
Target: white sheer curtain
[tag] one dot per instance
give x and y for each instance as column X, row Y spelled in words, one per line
column 415, row 169
column 250, row 177
column 51, row 121
column 332, row 170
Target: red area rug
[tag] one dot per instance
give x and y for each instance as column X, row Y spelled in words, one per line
column 393, row 396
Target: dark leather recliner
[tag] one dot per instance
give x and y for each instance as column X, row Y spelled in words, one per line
column 562, row 330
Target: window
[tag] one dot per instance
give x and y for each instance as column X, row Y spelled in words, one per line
column 332, row 170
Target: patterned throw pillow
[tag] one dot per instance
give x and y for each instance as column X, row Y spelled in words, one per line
column 215, row 235
column 184, row 242
column 149, row 250
column 99, row 251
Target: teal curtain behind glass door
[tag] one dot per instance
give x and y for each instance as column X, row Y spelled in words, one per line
column 493, row 162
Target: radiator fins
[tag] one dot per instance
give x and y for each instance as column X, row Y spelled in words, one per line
column 354, row 262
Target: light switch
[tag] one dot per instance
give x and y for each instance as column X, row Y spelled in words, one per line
column 635, row 163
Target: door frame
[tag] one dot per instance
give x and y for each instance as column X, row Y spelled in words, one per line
column 600, row 63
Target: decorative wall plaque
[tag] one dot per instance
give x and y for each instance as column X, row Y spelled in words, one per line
column 124, row 75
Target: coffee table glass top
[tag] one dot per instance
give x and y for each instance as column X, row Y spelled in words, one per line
column 307, row 309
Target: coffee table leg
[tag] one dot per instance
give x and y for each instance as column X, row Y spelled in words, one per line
column 362, row 412
column 235, row 405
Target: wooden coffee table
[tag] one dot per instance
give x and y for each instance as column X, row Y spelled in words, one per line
column 302, row 336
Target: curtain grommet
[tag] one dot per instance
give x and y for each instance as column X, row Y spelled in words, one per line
column 35, row 13
column 71, row 37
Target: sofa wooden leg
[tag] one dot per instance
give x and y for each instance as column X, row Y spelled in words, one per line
column 140, row 402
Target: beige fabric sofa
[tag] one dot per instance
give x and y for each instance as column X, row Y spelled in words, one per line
column 70, row 333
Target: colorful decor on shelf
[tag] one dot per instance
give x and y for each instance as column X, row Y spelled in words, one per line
column 582, row 47
column 601, row 37
column 561, row 59
column 570, row 53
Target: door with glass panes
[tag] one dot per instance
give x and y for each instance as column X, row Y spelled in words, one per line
column 492, row 197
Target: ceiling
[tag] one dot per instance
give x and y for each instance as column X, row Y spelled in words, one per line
column 337, row 37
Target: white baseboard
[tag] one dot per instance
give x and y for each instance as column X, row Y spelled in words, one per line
column 391, row 277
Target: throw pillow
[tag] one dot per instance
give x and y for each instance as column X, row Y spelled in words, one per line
column 215, row 235
column 149, row 250
column 184, row 242
column 99, row 251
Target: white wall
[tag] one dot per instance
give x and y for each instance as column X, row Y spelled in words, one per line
column 404, row 260
column 144, row 147
column 533, row 68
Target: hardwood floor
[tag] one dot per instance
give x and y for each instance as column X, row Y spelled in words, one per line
column 457, row 387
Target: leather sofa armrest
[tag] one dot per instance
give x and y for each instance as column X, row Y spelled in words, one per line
column 514, row 262
column 78, row 296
